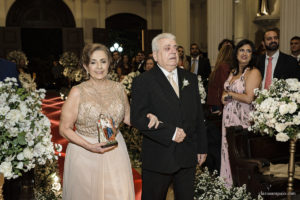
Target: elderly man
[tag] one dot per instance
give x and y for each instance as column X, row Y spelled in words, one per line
column 170, row 152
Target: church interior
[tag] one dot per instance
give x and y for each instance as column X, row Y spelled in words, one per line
column 45, row 29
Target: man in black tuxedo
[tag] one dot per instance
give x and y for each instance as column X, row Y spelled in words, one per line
column 199, row 64
column 169, row 153
column 8, row 69
column 275, row 64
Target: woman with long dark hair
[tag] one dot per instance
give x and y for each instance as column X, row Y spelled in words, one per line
column 237, row 97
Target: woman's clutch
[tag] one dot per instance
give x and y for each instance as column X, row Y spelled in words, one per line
column 106, row 131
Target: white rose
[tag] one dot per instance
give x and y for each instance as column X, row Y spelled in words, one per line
column 283, row 109
column 298, row 135
column 281, row 137
column 20, row 165
column 280, row 127
column 6, row 169
column 20, row 156
column 292, row 107
column 56, row 186
column 296, row 119
column 28, row 153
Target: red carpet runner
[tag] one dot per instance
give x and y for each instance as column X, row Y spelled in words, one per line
column 51, row 107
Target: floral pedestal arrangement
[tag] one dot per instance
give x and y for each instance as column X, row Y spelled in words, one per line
column 277, row 113
column 25, row 139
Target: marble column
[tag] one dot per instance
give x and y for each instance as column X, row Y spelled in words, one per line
column 3, row 13
column 220, row 25
column 101, row 13
column 176, row 20
column 289, row 23
column 149, row 13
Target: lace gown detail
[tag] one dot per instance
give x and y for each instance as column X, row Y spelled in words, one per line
column 95, row 176
column 234, row 113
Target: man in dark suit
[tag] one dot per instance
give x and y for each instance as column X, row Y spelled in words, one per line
column 295, row 48
column 170, row 152
column 7, row 69
column 199, row 64
column 275, row 64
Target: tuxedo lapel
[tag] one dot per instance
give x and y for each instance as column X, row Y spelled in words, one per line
column 165, row 85
column 180, row 81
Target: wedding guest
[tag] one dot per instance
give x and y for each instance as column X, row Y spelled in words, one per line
column 149, row 63
column 183, row 62
column 125, row 65
column 169, row 153
column 225, row 42
column 92, row 171
column 274, row 63
column 237, row 97
column 217, row 79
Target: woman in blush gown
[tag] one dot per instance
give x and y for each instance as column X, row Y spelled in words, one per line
column 237, row 97
column 91, row 171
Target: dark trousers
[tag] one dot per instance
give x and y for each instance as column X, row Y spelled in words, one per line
column 155, row 185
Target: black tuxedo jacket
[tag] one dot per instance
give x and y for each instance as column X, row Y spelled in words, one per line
column 204, row 68
column 286, row 67
column 152, row 93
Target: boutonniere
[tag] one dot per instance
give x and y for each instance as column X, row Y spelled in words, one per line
column 185, row 83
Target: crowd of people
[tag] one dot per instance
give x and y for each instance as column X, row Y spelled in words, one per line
column 166, row 96
column 166, row 108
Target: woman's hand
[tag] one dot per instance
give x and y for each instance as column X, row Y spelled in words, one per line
column 97, row 148
column 153, row 121
column 225, row 94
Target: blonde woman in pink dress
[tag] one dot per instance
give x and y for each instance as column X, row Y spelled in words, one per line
column 237, row 97
column 91, row 171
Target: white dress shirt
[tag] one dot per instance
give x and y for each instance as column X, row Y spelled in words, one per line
column 196, row 64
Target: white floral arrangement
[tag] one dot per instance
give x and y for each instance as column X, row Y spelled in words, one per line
column 113, row 76
column 201, row 90
column 127, row 81
column 210, row 186
column 25, row 138
column 17, row 56
column 277, row 110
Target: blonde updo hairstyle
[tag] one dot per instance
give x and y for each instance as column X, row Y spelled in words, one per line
column 89, row 49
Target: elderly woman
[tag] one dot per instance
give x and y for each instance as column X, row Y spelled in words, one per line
column 91, row 170
column 237, row 97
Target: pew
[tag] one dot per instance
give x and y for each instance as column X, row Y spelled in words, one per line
column 250, row 154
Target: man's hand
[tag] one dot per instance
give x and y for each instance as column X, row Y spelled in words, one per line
column 180, row 135
column 201, row 158
column 154, row 122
